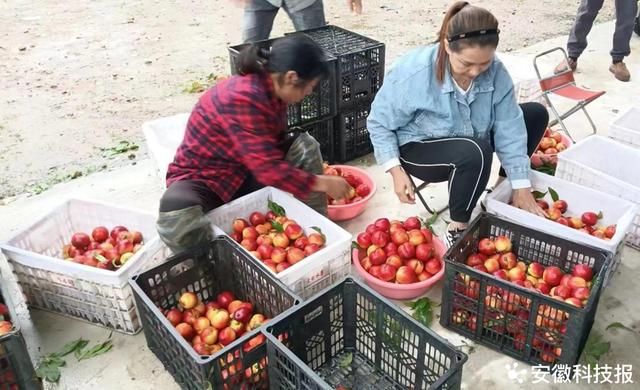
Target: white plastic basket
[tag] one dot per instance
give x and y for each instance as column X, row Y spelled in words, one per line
column 608, row 166
column 95, row 295
column 626, row 127
column 315, row 272
column 579, row 199
column 163, row 136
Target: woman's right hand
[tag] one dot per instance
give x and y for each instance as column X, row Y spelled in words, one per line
column 402, row 185
column 335, row 186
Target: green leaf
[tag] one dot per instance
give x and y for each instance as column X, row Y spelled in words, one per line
column 100, row 258
column 618, row 325
column 538, row 194
column 595, row 348
column 432, row 219
column 423, row 310
column 278, row 226
column 123, row 146
column 317, row 229
column 96, row 350
column 346, row 360
column 554, row 194
column 49, row 373
column 354, row 245
column 71, row 347
column 600, row 215
column 276, row 208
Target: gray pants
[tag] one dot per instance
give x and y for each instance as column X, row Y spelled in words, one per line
column 625, row 15
column 258, row 19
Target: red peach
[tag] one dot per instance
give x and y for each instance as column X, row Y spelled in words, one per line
column 507, row 260
column 433, row 265
column 536, row 270
column 476, row 259
column 487, row 247
column 583, row 271
column 185, row 330
column 387, row 272
column 394, row 260
column 552, row 275
column 406, row 275
column 502, row 244
column 417, row 265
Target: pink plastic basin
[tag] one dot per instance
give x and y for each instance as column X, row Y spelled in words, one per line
column 352, row 210
column 395, row 290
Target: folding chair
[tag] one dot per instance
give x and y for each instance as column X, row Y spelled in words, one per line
column 563, row 84
column 417, row 189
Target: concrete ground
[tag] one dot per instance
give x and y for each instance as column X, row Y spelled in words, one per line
column 130, row 365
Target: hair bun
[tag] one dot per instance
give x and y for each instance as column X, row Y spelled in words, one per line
column 264, row 53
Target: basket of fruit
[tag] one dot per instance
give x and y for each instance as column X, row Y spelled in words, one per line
column 608, row 166
column 528, row 294
column 363, row 189
column 400, row 260
column 545, row 158
column 571, row 213
column 16, row 369
column 202, row 310
column 350, row 337
column 305, row 250
column 77, row 259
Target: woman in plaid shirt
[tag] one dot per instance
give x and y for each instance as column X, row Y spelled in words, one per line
column 234, row 141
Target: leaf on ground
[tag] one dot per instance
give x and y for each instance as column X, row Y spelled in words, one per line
column 71, row 346
column 96, row 350
column 423, row 310
column 618, row 325
column 346, row 360
column 595, row 348
column 123, row 146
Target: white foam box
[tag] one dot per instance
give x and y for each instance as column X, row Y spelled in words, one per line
column 580, row 199
column 313, row 273
column 608, row 166
column 626, row 127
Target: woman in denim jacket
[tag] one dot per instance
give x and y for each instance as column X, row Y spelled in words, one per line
column 444, row 109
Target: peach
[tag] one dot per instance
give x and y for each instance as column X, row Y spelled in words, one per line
column 554, row 214
column 577, row 282
column 406, row 275
column 378, row 257
column 371, row 248
column 583, row 271
column 239, row 225
column 185, row 330
column 220, row 319
column 366, row 263
column 407, row 251
column 581, row 293
column 552, row 275
column 516, row 274
column 394, row 260
column 282, row 266
column 278, row 255
column 532, row 280
column 416, row 237
column 501, row 274
column 387, row 272
column 424, row 276
column 502, row 244
column 492, row 264
column 543, row 288
column 226, row 336
column 311, row 249
column 293, row 231
column 487, row 247
column 562, row 291
column 416, row 264
column 433, row 265
column 294, row 255
column 535, row 269
column 250, row 232
column 264, row 251
column 507, row 260
column 475, row 259
column 316, row 238
column 302, row 242
column 188, row 300
column 560, row 205
column 281, row 240
column 574, row 301
column 209, row 335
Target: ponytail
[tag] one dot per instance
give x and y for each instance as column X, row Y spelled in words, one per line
column 294, row 52
column 251, row 60
column 464, row 25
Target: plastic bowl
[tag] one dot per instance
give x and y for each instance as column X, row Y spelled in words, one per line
column 400, row 291
column 352, row 210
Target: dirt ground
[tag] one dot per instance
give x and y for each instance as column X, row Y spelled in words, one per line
column 78, row 78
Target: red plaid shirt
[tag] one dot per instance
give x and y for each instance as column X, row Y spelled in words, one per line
column 234, row 130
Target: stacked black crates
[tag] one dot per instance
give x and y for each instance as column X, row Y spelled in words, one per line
column 336, row 112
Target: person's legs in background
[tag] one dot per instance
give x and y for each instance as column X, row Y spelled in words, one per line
column 308, row 17
column 258, row 20
column 464, row 162
column 587, row 12
column 626, row 11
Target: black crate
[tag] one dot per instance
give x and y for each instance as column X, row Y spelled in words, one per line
column 360, row 64
column 351, row 135
column 388, row 348
column 500, row 314
column 16, row 368
column 323, row 133
column 221, row 265
column 320, row 104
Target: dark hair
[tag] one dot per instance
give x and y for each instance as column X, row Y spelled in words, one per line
column 462, row 18
column 295, row 52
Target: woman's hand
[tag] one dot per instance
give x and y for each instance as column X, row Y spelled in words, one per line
column 402, row 185
column 335, row 186
column 523, row 199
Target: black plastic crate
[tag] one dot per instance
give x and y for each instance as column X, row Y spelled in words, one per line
column 351, row 135
column 360, row 64
column 351, row 336
column 323, row 133
column 500, row 314
column 16, row 368
column 219, row 266
column 320, row 104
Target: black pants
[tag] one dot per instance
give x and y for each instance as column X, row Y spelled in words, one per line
column 187, row 193
column 465, row 162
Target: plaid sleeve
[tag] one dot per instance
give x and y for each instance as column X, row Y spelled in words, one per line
column 250, row 127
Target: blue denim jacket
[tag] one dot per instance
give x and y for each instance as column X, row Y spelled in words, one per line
column 413, row 106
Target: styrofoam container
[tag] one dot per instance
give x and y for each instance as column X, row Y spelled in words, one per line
column 163, row 136
column 98, row 296
column 608, row 166
column 579, row 199
column 626, row 127
column 314, row 272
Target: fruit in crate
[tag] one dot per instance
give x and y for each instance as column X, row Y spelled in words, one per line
column 210, row 326
column 545, row 157
column 5, row 323
column 359, row 190
column 274, row 239
column 398, row 252
column 587, row 222
column 102, row 248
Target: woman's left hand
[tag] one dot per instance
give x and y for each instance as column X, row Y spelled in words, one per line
column 523, row 199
